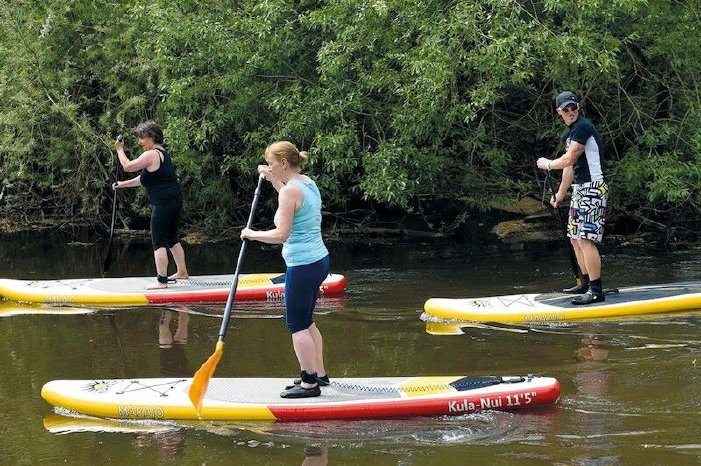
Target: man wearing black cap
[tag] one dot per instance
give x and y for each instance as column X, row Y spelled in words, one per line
column 582, row 168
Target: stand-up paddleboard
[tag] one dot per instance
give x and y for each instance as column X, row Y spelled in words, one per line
column 555, row 307
column 258, row 399
column 134, row 290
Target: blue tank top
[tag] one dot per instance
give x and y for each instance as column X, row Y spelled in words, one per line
column 305, row 245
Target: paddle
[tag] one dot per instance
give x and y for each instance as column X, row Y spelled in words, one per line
column 563, row 225
column 108, row 254
column 200, row 381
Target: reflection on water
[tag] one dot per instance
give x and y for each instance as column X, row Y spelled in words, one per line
column 592, row 384
column 592, row 349
column 63, row 421
column 166, row 338
column 174, row 361
column 168, row 437
column 170, row 444
column 316, row 455
column 484, row 427
column 628, row 386
column 13, row 308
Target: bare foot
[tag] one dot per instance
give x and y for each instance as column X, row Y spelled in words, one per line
column 177, row 276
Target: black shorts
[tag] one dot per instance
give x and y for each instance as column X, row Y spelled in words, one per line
column 165, row 222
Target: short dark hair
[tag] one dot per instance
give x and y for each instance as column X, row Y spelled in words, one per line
column 150, row 129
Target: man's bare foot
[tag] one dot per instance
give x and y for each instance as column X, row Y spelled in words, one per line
column 177, row 276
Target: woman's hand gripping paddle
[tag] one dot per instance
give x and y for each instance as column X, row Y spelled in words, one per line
column 200, row 381
column 563, row 226
column 108, row 254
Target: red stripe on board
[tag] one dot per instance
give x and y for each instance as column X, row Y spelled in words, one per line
column 456, row 404
column 271, row 293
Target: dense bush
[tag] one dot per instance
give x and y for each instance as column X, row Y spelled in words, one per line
column 397, row 100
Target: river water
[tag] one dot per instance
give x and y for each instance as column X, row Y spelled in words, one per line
column 630, row 388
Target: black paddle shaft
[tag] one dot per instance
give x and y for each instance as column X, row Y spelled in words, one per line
column 108, row 254
column 239, row 264
column 563, row 226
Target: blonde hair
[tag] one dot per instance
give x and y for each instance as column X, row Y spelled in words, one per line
column 288, row 151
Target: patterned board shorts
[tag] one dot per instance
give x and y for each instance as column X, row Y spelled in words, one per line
column 588, row 211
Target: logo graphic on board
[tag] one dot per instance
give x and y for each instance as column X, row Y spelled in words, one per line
column 99, row 386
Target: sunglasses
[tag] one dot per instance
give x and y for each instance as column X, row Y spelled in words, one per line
column 570, row 108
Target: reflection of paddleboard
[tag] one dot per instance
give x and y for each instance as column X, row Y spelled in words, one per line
column 553, row 307
column 457, row 327
column 57, row 424
column 259, row 398
column 134, row 290
column 13, row 308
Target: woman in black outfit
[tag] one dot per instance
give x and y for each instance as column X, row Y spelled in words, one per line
column 163, row 188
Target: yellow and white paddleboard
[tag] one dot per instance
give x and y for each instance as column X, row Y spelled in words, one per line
column 127, row 291
column 258, row 399
column 558, row 307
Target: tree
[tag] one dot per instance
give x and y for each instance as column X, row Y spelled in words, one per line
column 396, row 100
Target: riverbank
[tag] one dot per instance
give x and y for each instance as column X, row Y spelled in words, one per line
column 531, row 233
column 512, row 224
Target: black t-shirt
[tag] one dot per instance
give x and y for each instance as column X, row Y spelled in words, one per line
column 589, row 165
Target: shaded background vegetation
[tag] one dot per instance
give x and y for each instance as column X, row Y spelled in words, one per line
column 404, row 105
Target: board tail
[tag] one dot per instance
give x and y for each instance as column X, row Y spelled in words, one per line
column 200, row 381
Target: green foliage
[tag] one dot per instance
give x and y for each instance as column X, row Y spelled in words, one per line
column 395, row 99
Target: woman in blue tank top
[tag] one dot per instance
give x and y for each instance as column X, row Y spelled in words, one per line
column 164, row 192
column 298, row 229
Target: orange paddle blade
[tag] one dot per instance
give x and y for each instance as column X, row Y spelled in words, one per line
column 200, row 381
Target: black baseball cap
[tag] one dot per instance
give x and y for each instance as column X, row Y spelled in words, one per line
column 565, row 98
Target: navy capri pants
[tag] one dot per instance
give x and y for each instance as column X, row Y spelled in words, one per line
column 302, row 284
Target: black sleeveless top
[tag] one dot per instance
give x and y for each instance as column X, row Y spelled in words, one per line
column 162, row 185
